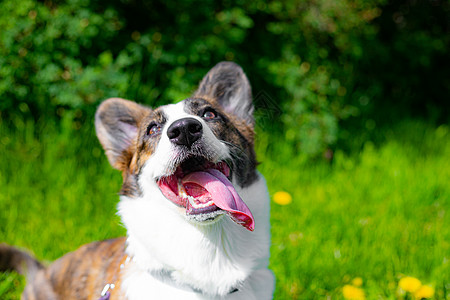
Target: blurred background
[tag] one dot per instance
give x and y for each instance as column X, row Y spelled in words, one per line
column 352, row 108
column 321, row 68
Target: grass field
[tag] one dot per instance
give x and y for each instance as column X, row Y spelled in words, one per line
column 378, row 214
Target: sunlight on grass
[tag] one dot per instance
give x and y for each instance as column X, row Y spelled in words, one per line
column 10, row 283
column 379, row 214
column 357, row 226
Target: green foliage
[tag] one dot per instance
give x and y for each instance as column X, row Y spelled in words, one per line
column 317, row 66
column 10, row 284
column 68, row 55
column 46, row 56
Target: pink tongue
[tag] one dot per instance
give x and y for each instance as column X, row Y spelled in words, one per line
column 224, row 195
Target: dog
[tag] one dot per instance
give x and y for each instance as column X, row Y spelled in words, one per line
column 195, row 208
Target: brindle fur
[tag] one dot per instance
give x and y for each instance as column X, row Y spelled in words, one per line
column 81, row 274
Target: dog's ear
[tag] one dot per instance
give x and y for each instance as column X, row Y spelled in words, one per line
column 227, row 84
column 116, row 123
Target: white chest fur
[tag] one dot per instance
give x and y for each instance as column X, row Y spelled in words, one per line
column 141, row 285
column 213, row 259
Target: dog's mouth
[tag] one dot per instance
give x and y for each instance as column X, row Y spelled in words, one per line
column 205, row 190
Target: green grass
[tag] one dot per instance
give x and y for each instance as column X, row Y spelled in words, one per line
column 379, row 214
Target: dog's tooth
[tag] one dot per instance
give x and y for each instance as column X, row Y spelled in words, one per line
column 196, row 205
column 203, row 205
column 192, row 201
column 181, row 190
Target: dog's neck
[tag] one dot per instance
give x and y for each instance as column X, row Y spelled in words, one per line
column 213, row 259
column 210, row 266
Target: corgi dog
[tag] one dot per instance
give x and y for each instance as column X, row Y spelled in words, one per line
column 195, row 208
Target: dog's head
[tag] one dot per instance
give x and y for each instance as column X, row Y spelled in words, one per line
column 194, row 152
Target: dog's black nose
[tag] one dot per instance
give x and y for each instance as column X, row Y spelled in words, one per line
column 185, row 131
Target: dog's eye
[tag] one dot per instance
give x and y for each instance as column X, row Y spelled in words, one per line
column 153, row 129
column 209, row 114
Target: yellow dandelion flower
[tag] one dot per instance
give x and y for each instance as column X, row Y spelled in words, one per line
column 409, row 284
column 357, row 281
column 282, row 198
column 351, row 292
column 424, row 292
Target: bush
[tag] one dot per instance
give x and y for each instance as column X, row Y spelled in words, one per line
column 51, row 56
column 315, row 66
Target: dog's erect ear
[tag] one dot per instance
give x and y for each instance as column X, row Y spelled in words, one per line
column 227, row 84
column 116, row 123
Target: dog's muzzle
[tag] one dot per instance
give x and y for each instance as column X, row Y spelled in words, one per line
column 205, row 190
